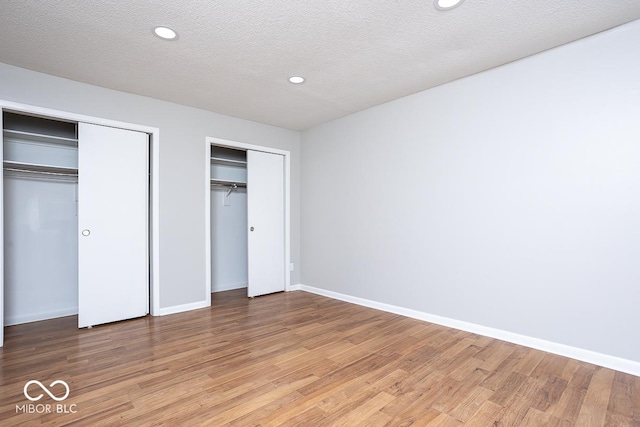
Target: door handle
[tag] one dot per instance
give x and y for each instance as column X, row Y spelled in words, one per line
column 252, row 229
column 86, row 232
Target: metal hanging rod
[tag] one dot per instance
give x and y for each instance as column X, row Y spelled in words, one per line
column 231, row 184
column 41, row 172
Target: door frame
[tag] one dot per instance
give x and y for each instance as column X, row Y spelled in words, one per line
column 154, row 192
column 209, row 141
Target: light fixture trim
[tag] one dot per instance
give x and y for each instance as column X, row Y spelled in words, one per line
column 447, row 4
column 165, row 33
column 296, row 80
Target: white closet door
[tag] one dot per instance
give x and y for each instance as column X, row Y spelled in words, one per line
column 265, row 216
column 113, row 266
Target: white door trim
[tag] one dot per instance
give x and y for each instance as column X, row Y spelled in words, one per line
column 154, row 194
column 209, row 141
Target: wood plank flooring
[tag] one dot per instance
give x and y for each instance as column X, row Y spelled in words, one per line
column 298, row 359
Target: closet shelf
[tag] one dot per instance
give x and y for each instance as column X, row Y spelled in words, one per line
column 231, row 162
column 39, row 168
column 227, row 183
column 38, row 137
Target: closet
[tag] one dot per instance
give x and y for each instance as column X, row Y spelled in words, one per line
column 40, row 218
column 228, row 219
column 247, row 220
column 76, row 220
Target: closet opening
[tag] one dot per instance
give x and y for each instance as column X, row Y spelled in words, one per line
column 76, row 235
column 248, row 218
column 40, row 218
column 228, row 219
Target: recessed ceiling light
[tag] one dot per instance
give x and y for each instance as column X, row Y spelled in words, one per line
column 165, row 33
column 296, row 80
column 447, row 4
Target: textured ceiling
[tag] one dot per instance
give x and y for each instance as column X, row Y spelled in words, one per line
column 234, row 57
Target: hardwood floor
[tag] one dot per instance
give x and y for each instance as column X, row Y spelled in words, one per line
column 298, row 359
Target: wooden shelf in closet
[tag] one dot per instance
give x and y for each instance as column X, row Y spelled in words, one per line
column 231, row 162
column 38, row 137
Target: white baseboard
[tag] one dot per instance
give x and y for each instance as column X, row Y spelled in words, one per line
column 600, row 359
column 182, row 308
column 36, row 317
column 228, row 287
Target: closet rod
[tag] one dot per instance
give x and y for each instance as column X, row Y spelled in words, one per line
column 229, row 184
column 41, row 172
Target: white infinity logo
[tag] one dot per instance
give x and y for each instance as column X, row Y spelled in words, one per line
column 46, row 390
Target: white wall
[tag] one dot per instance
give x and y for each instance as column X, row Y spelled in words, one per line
column 40, row 249
column 508, row 199
column 228, row 239
column 182, row 136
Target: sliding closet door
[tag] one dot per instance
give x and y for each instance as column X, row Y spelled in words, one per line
column 113, row 267
column 265, row 215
